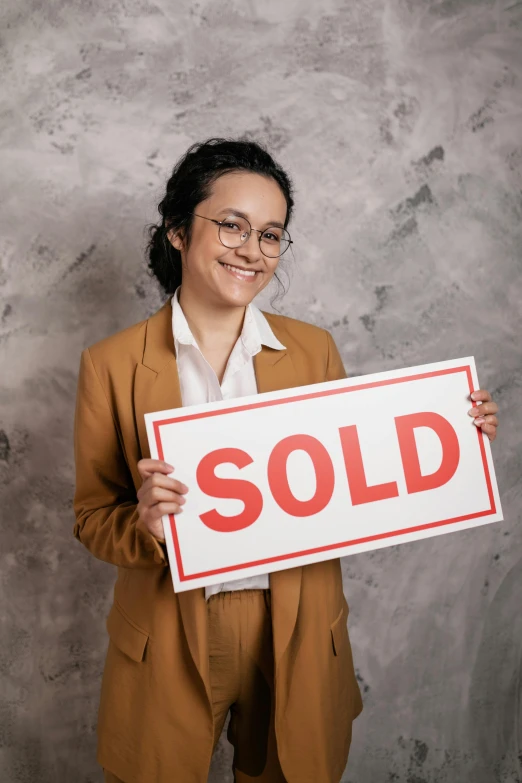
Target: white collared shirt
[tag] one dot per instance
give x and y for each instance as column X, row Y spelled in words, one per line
column 199, row 383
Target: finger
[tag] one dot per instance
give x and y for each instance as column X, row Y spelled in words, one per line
column 480, row 420
column 489, row 430
column 147, row 467
column 491, row 420
column 488, row 407
column 159, row 494
column 484, row 425
column 481, row 395
column 485, row 408
column 161, row 509
column 161, row 480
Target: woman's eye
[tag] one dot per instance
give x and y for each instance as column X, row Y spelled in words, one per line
column 232, row 226
column 268, row 235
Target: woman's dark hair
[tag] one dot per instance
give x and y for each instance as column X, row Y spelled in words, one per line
column 190, row 183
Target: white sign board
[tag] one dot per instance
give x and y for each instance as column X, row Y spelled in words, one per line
column 291, row 477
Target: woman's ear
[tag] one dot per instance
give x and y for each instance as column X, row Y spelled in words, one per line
column 175, row 239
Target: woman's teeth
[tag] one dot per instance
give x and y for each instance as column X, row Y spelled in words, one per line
column 241, row 274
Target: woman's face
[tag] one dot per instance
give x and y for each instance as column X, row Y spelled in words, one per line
column 212, row 271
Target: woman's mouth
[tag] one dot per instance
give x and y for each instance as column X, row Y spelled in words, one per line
column 247, row 275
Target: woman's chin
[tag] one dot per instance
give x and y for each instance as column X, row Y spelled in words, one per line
column 238, row 298
column 238, row 293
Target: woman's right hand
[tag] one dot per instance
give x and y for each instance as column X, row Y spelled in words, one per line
column 158, row 495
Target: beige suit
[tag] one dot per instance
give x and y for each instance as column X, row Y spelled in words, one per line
column 155, row 722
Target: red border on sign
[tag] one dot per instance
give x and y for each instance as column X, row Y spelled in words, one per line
column 183, row 577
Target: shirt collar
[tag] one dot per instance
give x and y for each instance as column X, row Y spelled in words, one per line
column 180, row 327
column 255, row 333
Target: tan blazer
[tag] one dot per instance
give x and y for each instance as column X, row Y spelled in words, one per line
column 155, row 721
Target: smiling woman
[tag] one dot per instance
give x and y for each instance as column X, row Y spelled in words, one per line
column 224, row 227
column 227, row 241
column 217, row 193
column 272, row 650
column 235, row 185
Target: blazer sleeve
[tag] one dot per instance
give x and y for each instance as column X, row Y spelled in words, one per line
column 105, row 502
column 334, row 366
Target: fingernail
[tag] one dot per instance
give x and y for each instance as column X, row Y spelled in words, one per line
column 472, row 412
column 170, row 467
column 182, row 499
column 473, row 395
column 479, row 420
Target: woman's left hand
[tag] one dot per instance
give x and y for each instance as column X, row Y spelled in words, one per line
column 484, row 414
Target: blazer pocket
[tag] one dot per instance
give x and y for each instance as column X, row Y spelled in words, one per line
column 130, row 639
column 339, row 632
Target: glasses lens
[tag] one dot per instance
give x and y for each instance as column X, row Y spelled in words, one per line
column 234, row 231
column 274, row 241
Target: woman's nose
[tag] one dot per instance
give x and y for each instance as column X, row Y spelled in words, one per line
column 250, row 249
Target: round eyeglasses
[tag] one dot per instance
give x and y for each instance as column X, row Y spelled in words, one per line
column 235, row 231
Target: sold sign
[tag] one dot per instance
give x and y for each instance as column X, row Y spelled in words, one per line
column 288, row 478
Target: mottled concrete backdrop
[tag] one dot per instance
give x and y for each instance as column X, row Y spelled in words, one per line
column 401, row 122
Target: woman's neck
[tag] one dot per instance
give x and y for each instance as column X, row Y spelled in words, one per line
column 213, row 327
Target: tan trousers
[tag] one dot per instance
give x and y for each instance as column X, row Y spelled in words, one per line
column 242, row 681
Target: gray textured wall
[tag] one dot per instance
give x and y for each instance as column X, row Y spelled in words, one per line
column 401, row 122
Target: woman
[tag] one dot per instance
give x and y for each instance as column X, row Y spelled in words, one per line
column 271, row 650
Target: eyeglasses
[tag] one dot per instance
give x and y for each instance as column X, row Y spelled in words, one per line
column 235, row 231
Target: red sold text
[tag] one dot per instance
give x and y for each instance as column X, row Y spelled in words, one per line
column 360, row 492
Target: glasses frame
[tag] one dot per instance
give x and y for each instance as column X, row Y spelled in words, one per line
column 260, row 233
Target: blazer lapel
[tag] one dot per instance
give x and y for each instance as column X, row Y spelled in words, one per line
column 156, row 382
column 156, row 388
column 275, row 370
